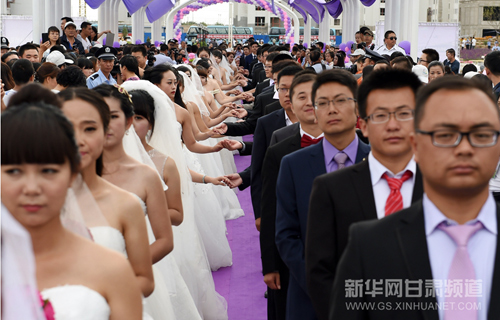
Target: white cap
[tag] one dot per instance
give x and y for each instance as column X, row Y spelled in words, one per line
column 470, row 74
column 358, row 52
column 57, row 58
column 70, row 23
column 421, row 72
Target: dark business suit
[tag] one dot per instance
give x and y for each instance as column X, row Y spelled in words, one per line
column 248, row 126
column 271, row 260
column 395, row 248
column 245, row 175
column 297, row 173
column 264, row 84
column 256, row 67
column 261, row 139
column 261, row 86
column 248, row 62
column 270, row 108
column 338, row 199
column 284, row 133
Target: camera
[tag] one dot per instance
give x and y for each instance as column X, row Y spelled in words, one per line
column 151, row 58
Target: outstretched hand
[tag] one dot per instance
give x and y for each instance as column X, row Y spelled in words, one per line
column 219, row 181
column 220, row 129
column 232, row 145
column 235, row 180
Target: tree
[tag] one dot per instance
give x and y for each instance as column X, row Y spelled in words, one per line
column 492, row 16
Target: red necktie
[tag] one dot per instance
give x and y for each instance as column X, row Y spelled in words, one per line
column 395, row 200
column 306, row 141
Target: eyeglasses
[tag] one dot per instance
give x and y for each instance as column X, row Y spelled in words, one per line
column 447, row 138
column 339, row 102
column 383, row 117
column 283, row 90
column 392, row 38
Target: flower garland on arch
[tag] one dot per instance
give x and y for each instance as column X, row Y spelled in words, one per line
column 289, row 32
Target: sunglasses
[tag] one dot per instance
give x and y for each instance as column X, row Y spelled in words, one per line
column 392, row 38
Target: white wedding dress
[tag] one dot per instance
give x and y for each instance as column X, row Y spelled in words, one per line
column 209, row 216
column 77, row 302
column 157, row 306
column 167, row 274
column 212, row 166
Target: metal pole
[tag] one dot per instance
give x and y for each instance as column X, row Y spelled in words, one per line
column 231, row 11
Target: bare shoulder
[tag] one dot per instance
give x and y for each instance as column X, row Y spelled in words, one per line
column 170, row 164
column 124, row 201
column 100, row 263
column 143, row 170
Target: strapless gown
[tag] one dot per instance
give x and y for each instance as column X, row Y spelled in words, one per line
column 77, row 302
column 190, row 255
column 212, row 166
column 157, row 306
column 209, row 218
column 167, row 274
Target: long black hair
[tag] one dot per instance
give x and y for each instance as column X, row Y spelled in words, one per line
column 155, row 75
column 38, row 133
column 144, row 105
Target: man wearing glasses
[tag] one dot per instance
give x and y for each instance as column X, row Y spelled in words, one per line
column 387, row 182
column 390, row 45
column 333, row 96
column 448, row 241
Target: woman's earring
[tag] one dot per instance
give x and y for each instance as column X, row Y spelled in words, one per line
column 126, row 132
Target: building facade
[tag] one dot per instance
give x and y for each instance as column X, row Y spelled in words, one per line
column 479, row 18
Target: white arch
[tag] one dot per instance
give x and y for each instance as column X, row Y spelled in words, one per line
column 169, row 32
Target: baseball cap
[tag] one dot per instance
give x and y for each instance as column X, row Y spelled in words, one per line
column 69, row 23
column 421, row 72
column 5, row 43
column 358, row 52
column 57, row 58
column 172, row 41
column 368, row 32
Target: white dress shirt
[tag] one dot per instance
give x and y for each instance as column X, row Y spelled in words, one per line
column 481, row 247
column 302, row 132
column 383, row 50
column 381, row 188
column 287, row 120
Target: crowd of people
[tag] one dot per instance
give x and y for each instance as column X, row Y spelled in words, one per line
column 369, row 174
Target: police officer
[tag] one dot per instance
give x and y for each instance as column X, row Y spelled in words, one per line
column 106, row 56
column 5, row 45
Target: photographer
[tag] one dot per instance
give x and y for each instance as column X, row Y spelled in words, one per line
column 169, row 54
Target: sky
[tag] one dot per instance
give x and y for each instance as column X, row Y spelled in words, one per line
column 210, row 15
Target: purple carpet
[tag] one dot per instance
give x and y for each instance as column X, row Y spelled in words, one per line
column 241, row 284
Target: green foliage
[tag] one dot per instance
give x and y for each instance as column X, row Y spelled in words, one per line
column 125, row 31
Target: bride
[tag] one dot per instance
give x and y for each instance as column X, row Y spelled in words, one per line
column 189, row 251
column 40, row 160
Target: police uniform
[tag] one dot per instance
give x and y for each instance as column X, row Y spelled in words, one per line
column 95, row 79
column 373, row 55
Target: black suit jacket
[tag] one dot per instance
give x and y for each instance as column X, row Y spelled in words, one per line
column 394, row 248
column 245, row 175
column 270, row 108
column 248, row 126
column 271, row 260
column 285, row 133
column 338, row 200
column 261, row 86
column 261, row 139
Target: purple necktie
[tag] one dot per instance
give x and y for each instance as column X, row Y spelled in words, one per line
column 461, row 269
column 340, row 158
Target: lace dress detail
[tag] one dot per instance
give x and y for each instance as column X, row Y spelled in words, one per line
column 77, row 302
